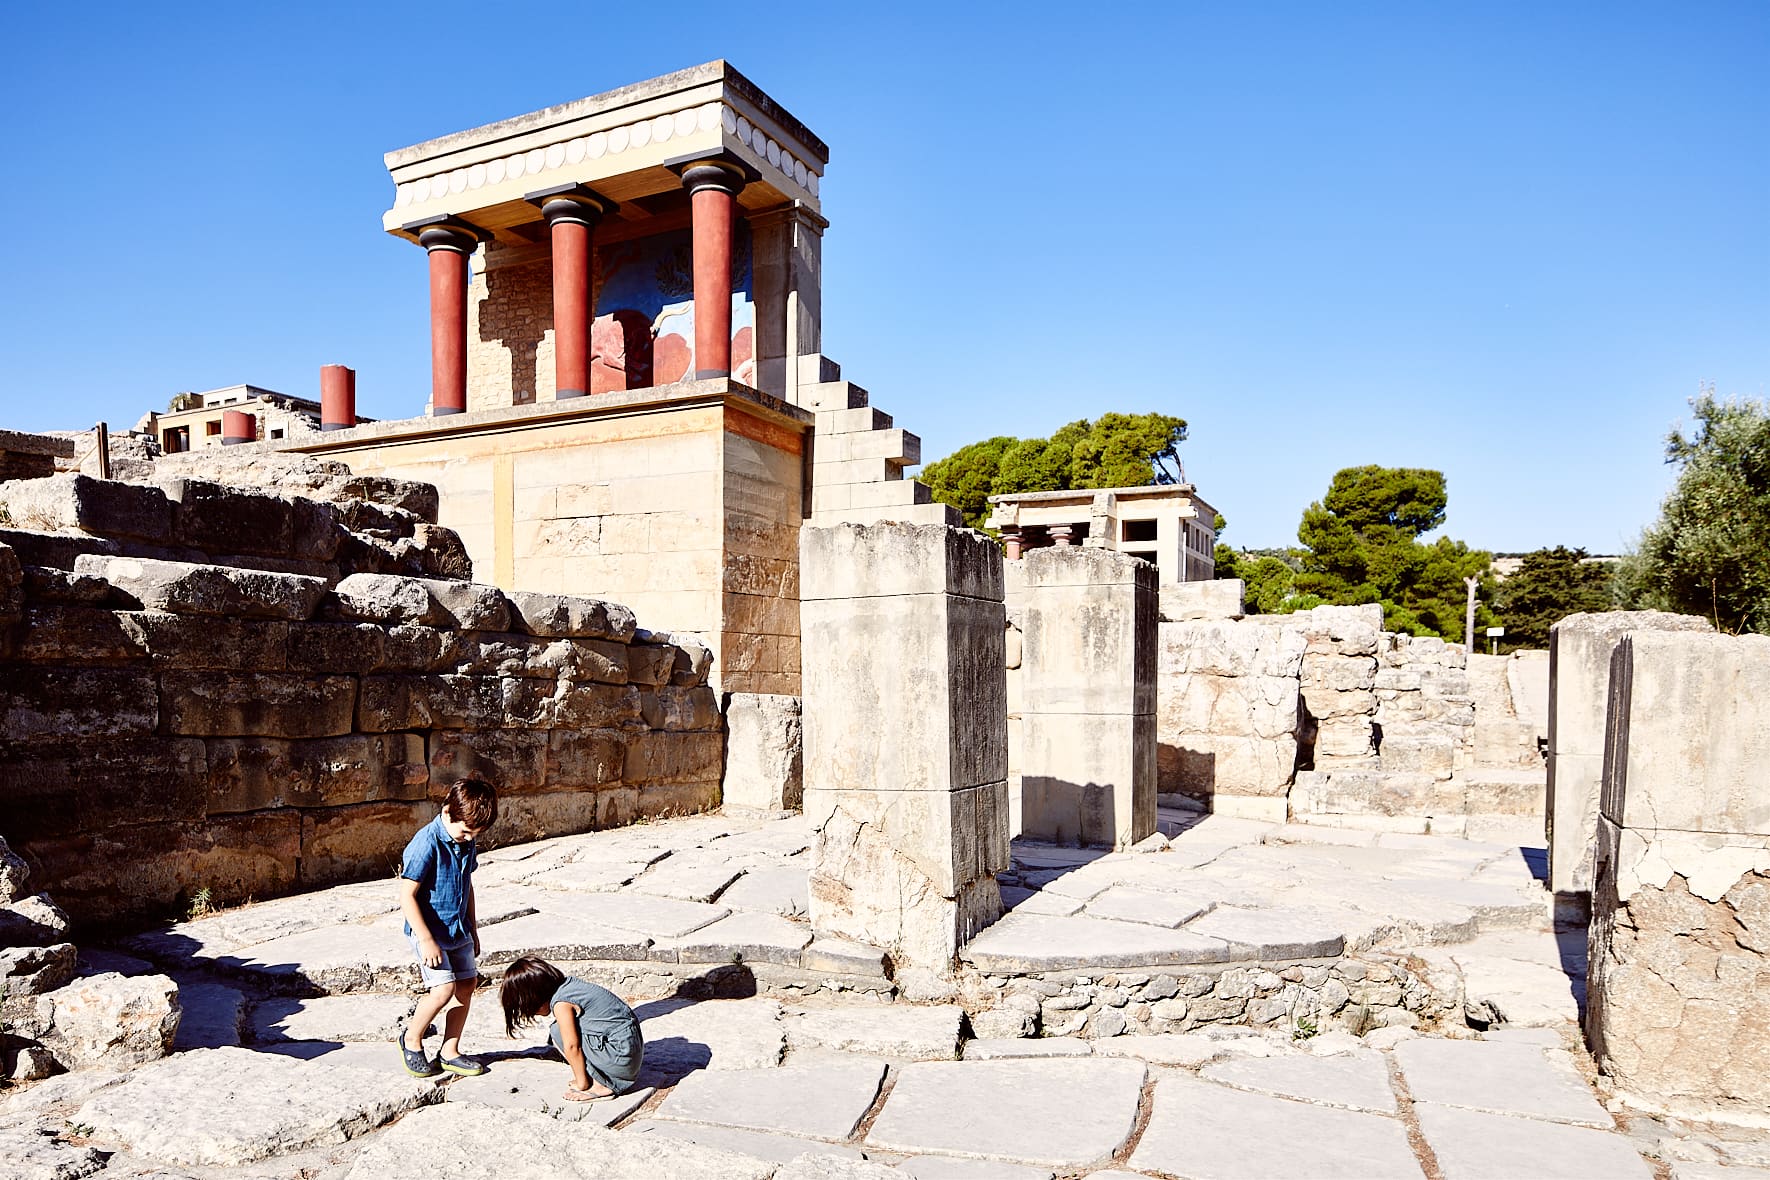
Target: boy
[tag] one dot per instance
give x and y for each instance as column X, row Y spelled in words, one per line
column 436, row 897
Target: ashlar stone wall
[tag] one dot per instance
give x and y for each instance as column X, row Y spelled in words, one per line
column 1679, row 991
column 216, row 689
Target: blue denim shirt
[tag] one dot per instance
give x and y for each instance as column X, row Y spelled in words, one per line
column 444, row 872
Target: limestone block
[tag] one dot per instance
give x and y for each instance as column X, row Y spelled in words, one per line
column 71, row 784
column 652, row 664
column 1688, row 743
column 14, row 874
column 110, row 1020
column 1527, row 676
column 218, row 519
column 857, row 561
column 387, row 598
column 1363, row 792
column 948, row 837
column 119, row 871
column 578, row 759
column 335, row 648
column 1088, row 779
column 692, row 659
column 596, row 706
column 252, row 774
column 1331, row 673
column 341, row 844
column 33, row 970
column 1220, row 598
column 673, row 758
column 46, row 701
column 1253, row 647
column 32, row 921
column 562, row 616
column 1580, row 648
column 75, row 635
column 1433, row 754
column 1089, row 629
column 451, row 702
column 410, row 648
column 187, row 642
column 46, row 586
column 257, row 704
column 679, row 709
column 193, row 589
column 522, row 818
column 764, row 751
column 106, row 508
column 1337, row 630
column 1202, row 764
column 1343, row 737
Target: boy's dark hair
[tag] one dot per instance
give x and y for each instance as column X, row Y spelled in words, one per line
column 529, row 983
column 474, row 802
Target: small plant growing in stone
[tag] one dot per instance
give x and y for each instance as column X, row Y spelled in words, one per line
column 202, row 904
column 81, row 1130
column 1303, row 1029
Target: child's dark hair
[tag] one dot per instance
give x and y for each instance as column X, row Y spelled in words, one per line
column 529, row 983
column 474, row 802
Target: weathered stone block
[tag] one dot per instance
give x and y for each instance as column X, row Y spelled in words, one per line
column 679, row 709
column 218, row 519
column 1250, row 648
column 107, row 508
column 596, row 706
column 600, row 660
column 1220, row 598
column 256, row 704
column 186, row 642
column 1344, row 737
column 47, row 586
column 693, row 659
column 389, row 598
column 335, row 648
column 1204, row 765
column 55, row 788
column 556, row 813
column 1089, row 624
column 48, row 701
column 430, row 702
column 253, row 774
column 503, row 653
column 1088, row 779
column 190, row 589
column 656, row 757
column 512, row 760
column 357, row 842
column 580, row 759
column 857, row 561
column 112, row 1021
column 1580, row 648
column 76, row 635
column 411, row 648
column 764, row 756
column 562, row 616
column 32, row 921
column 652, row 664
column 1363, row 792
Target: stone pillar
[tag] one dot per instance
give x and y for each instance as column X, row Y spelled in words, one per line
column 1062, row 535
column 713, row 186
column 1011, row 542
column 764, row 752
column 906, row 756
column 787, row 248
column 1088, row 663
column 1680, row 935
column 337, row 397
column 1580, row 647
column 572, row 212
column 237, row 426
column 449, row 246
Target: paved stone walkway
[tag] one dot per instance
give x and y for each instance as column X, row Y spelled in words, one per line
column 286, row 1065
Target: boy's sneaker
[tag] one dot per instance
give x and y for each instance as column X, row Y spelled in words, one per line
column 467, row 1067
column 418, row 1065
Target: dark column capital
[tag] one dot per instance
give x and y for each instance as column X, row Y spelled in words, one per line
column 447, row 233
column 722, row 171
column 571, row 203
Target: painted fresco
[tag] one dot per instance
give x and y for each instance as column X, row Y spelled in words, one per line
column 644, row 329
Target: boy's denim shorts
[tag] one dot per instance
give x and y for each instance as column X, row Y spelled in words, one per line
column 458, row 961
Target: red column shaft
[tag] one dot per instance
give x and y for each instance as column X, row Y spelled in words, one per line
column 448, row 331
column 712, row 282
column 571, row 308
column 337, row 397
column 237, row 426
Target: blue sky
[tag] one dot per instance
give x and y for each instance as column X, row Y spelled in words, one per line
column 1504, row 240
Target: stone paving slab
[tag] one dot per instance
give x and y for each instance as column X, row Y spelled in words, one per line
column 362, row 1017
column 823, row 1101
column 373, row 957
column 740, row 938
column 655, row 917
column 1031, row 855
column 1008, row 1048
column 534, row 1083
column 928, row 1032
column 1500, row 1078
column 698, row 879
column 558, row 936
column 1172, row 909
column 1056, row 1112
column 211, row 1015
column 1030, row 942
column 1358, row 1080
column 1029, row 901
column 489, row 1141
column 1276, row 933
column 593, row 876
column 1473, row 1145
column 231, row 930
column 1494, row 906
column 681, row 1037
column 842, row 956
column 778, row 889
column 30, row 1151
column 380, row 1057
column 220, row 1107
column 1208, row 1132
column 762, row 1145
column 941, row 1167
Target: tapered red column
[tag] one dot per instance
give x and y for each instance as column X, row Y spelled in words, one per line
column 572, row 213
column 237, row 426
column 337, row 397
column 713, row 188
column 449, row 247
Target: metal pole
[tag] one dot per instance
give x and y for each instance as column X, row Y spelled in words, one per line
column 1469, row 617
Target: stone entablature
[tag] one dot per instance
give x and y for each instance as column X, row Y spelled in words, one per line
column 1168, row 525
column 623, row 133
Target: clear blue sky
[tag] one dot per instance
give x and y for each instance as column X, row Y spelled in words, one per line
column 1503, row 240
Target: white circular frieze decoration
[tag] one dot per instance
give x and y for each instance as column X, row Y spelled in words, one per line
column 724, row 116
column 556, row 155
column 799, row 172
column 421, row 189
column 513, row 166
column 685, row 122
column 617, row 141
column 814, row 183
column 596, row 145
column 574, row 151
column 495, row 172
column 774, row 153
column 662, row 128
column 476, row 176
column 458, row 181
column 402, row 195
column 639, row 134
column 534, row 162
column 744, row 129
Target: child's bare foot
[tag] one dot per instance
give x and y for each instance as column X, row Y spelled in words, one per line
column 573, row 1094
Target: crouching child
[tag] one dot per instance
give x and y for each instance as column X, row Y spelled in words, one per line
column 593, row 1029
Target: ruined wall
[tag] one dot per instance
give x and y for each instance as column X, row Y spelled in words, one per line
column 218, row 689
column 1679, row 992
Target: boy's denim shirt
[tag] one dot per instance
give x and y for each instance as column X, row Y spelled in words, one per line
column 443, row 868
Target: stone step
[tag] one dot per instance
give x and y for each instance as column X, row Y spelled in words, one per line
column 851, row 420
column 832, row 395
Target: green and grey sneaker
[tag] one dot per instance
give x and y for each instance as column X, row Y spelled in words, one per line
column 418, row 1065
column 466, row 1066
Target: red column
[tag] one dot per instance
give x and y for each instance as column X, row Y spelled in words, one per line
column 237, row 426
column 572, row 214
column 337, row 397
column 449, row 247
column 713, row 189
